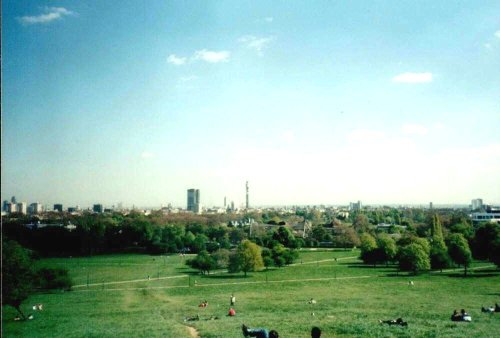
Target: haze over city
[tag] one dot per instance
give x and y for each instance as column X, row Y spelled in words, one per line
column 311, row 102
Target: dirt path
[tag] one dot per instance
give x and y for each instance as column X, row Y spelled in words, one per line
column 129, row 281
column 192, row 332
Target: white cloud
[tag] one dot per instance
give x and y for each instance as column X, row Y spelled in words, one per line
column 51, row 14
column 414, row 129
column 256, row 43
column 147, row 154
column 413, row 78
column 497, row 34
column 487, row 45
column 269, row 19
column 176, row 60
column 211, row 56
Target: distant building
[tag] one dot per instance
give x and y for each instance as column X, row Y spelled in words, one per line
column 193, row 200
column 11, row 207
column 98, row 208
column 5, row 206
column 430, row 205
column 22, row 208
column 355, row 206
column 477, row 204
column 13, row 200
column 35, row 208
column 58, row 207
column 247, row 205
column 490, row 215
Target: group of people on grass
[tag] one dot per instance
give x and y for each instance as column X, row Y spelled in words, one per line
column 265, row 333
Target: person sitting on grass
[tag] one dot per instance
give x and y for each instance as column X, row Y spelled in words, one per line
column 497, row 308
column 203, row 304
column 231, row 312
column 489, row 309
column 398, row 321
column 259, row 333
column 455, row 316
column 465, row 316
column 315, row 332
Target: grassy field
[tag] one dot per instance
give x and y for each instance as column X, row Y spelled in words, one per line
column 113, row 297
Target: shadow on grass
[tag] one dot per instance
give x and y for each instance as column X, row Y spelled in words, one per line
column 471, row 275
column 227, row 276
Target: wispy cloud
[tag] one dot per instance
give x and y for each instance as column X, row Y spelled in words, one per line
column 413, row 78
column 176, row 60
column 269, row 19
column 414, row 129
column 487, row 45
column 50, row 14
column 497, row 34
column 211, row 56
column 256, row 43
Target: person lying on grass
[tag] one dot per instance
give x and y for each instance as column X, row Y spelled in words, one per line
column 259, row 333
column 398, row 321
column 489, row 309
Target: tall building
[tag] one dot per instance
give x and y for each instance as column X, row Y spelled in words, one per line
column 477, row 204
column 355, row 206
column 13, row 200
column 58, row 207
column 193, row 200
column 36, row 208
column 98, row 208
column 430, row 205
column 22, row 208
column 247, row 200
column 12, row 207
column 5, row 206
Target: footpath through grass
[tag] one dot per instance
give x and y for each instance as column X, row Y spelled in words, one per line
column 351, row 298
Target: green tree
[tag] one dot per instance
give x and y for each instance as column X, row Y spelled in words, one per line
column 459, row 251
column 221, row 258
column 284, row 236
column 413, row 257
column 203, row 262
column 386, row 247
column 436, row 228
column 17, row 275
column 368, row 249
column 249, row 256
column 361, row 223
column 439, row 254
column 483, row 242
column 347, row 238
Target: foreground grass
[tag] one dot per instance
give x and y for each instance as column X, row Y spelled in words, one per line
column 351, row 299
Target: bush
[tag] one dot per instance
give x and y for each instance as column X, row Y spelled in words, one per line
column 54, row 278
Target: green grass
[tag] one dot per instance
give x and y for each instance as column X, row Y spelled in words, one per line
column 351, row 299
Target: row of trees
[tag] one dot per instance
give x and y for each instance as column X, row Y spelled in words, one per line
column 247, row 257
column 413, row 253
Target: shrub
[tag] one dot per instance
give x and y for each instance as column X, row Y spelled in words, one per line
column 54, row 278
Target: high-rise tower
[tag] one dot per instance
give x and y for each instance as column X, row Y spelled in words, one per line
column 193, row 200
column 248, row 202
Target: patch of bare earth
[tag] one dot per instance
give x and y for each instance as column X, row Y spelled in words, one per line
column 192, row 332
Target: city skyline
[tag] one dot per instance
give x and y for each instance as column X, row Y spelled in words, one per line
column 312, row 103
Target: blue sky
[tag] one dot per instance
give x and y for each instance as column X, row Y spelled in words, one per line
column 311, row 101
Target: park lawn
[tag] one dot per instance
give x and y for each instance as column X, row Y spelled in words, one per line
column 351, row 299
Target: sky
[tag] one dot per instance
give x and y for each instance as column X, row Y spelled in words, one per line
column 312, row 102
